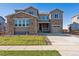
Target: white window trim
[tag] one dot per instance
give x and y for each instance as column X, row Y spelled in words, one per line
column 21, row 22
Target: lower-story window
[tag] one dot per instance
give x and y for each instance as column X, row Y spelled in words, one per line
column 15, row 24
column 21, row 22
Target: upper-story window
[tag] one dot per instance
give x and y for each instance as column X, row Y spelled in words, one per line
column 56, row 16
column 30, row 12
column 78, row 17
column 21, row 22
column 43, row 17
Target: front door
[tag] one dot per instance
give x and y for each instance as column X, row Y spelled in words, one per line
column 40, row 27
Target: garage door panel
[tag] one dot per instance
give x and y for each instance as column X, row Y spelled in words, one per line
column 56, row 29
column 21, row 33
column 21, row 30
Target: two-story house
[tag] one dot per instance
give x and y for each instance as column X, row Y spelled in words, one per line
column 74, row 26
column 31, row 21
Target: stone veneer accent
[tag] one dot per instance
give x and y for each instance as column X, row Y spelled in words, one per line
column 32, row 28
column 56, row 22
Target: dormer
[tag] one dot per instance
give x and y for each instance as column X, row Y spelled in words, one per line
column 56, row 14
column 31, row 10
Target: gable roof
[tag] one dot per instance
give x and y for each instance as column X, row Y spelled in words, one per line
column 56, row 10
column 75, row 15
column 2, row 18
column 22, row 12
column 30, row 8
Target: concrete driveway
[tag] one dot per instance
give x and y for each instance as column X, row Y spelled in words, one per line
column 67, row 45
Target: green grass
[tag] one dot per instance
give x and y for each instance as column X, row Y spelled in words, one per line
column 30, row 53
column 22, row 40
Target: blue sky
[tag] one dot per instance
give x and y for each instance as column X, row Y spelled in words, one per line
column 69, row 9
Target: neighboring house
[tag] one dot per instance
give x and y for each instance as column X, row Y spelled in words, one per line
column 30, row 21
column 2, row 25
column 74, row 26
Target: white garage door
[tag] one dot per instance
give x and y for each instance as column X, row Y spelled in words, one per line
column 56, row 29
column 21, row 30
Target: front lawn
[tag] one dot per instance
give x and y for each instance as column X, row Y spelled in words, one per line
column 22, row 40
column 30, row 53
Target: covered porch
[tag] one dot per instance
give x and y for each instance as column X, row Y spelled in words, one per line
column 43, row 27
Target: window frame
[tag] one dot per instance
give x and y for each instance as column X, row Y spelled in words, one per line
column 56, row 15
column 19, row 22
column 43, row 17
